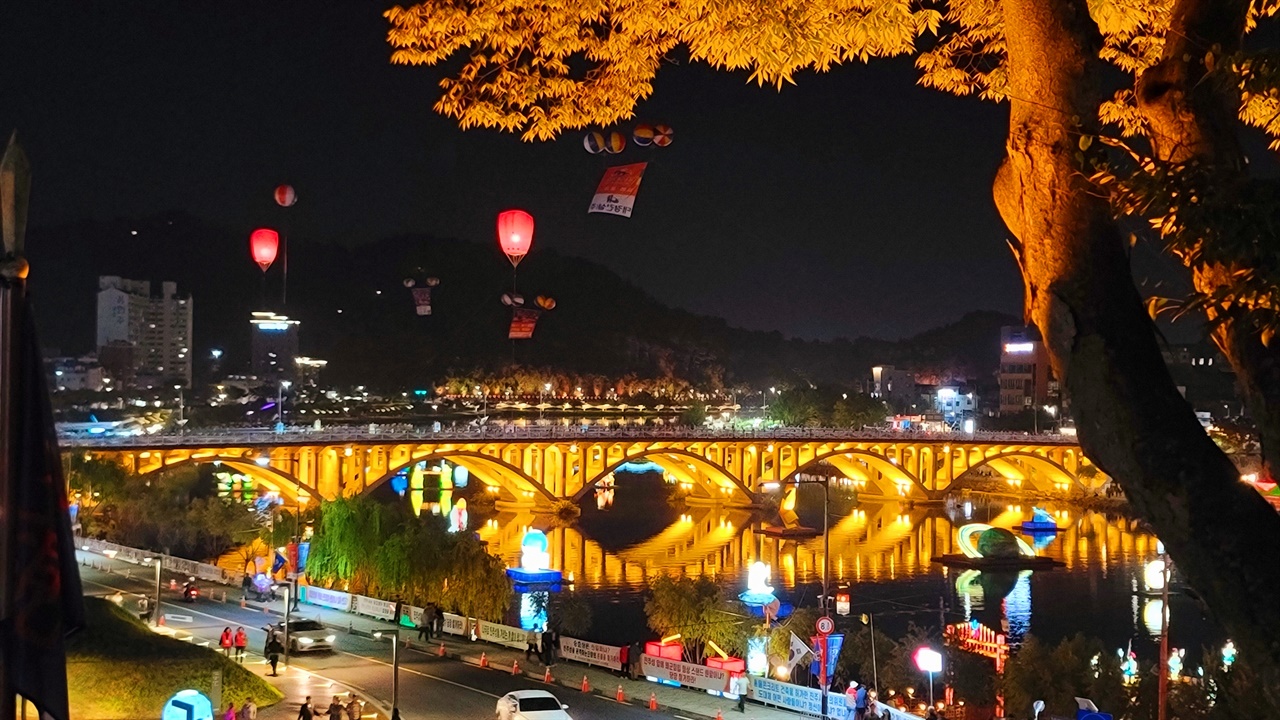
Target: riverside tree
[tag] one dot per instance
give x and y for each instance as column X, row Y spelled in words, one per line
column 540, row 68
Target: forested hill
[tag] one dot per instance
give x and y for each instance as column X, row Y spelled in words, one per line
column 601, row 325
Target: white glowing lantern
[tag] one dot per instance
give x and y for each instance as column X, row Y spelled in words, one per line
column 1154, row 575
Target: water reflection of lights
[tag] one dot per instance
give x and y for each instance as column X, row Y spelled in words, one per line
column 1151, row 616
column 1017, row 608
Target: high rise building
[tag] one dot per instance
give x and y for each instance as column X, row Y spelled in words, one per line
column 274, row 346
column 1026, row 380
column 144, row 340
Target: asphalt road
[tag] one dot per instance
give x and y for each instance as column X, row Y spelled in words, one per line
column 430, row 687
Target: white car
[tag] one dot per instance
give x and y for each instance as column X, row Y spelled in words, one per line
column 305, row 636
column 531, row 705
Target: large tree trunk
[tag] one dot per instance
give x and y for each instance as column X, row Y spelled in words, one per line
column 1130, row 417
column 1191, row 118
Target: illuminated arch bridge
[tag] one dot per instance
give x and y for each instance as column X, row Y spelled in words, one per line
column 538, row 466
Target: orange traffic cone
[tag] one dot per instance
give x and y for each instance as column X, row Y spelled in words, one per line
column 242, row 603
column 586, row 686
column 719, row 715
column 484, row 660
column 621, row 698
column 653, row 701
column 441, row 649
column 173, row 584
column 160, row 621
column 546, row 677
column 515, row 667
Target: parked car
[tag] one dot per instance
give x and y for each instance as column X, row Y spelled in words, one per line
column 531, row 705
column 304, row 635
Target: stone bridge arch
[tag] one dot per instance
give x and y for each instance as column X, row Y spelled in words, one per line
column 519, row 488
column 891, row 479
column 710, row 477
column 1047, row 475
column 276, row 480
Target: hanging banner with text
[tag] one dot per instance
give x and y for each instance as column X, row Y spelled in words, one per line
column 523, row 321
column 616, row 194
column 331, row 599
column 512, row 637
column 422, row 300
column 591, row 653
column 699, row 676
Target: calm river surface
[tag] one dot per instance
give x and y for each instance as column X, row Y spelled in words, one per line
column 881, row 552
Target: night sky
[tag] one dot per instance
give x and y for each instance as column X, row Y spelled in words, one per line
column 854, row 204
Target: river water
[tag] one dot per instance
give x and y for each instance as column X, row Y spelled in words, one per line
column 882, row 555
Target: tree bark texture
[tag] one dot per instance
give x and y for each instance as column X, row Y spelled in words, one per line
column 1080, row 292
column 1192, row 119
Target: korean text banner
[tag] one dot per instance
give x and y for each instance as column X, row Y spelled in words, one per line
column 617, row 192
column 523, row 320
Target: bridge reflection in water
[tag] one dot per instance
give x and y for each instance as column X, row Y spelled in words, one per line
column 874, row 542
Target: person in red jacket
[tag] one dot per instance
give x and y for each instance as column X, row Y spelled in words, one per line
column 226, row 641
column 241, row 640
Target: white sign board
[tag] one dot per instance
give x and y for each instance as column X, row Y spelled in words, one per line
column 455, row 624
column 512, row 637
column 797, row 697
column 327, row 598
column 591, row 653
column 699, row 676
column 373, row 607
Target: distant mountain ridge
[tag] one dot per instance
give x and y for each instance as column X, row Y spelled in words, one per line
column 602, row 324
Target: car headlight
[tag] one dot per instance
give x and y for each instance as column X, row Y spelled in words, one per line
column 330, row 638
column 305, row 641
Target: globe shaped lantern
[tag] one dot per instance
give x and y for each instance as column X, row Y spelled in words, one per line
column 515, row 234
column 264, row 243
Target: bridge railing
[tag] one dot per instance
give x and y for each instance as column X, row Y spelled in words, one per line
column 406, row 433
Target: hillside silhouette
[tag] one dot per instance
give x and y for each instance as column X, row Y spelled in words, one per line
column 602, row 324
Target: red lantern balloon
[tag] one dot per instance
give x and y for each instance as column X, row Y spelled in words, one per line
column 285, row 196
column 515, row 234
column 263, row 245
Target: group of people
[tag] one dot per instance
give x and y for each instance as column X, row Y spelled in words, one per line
column 866, row 707
column 248, row 711
column 336, row 710
column 542, row 644
column 432, row 619
column 234, row 643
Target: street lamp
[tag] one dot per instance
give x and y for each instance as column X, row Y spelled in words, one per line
column 284, row 385
column 870, row 619
column 395, row 668
column 825, row 482
column 182, row 409
column 930, row 661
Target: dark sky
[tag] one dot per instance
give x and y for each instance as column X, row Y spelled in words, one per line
column 854, row 204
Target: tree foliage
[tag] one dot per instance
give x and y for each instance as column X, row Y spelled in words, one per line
column 697, row 610
column 826, row 407
column 369, row 548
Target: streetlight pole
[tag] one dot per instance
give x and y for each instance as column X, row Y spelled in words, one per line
column 182, row 410
column 155, row 610
column 288, row 596
column 395, row 669
column 284, row 385
column 1162, row 705
column 870, row 619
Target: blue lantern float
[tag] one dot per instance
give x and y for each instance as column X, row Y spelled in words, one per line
column 534, row 562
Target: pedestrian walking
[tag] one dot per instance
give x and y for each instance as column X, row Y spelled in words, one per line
column 354, row 708
column 230, row 714
column 245, row 585
column 439, row 622
column 144, row 609
column 336, row 711
column 273, row 650
column 241, row 642
column 424, row 625
column 531, row 644
column 249, row 711
column 226, row 641
column 624, row 656
column 399, row 609
column 306, row 712
column 740, row 689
